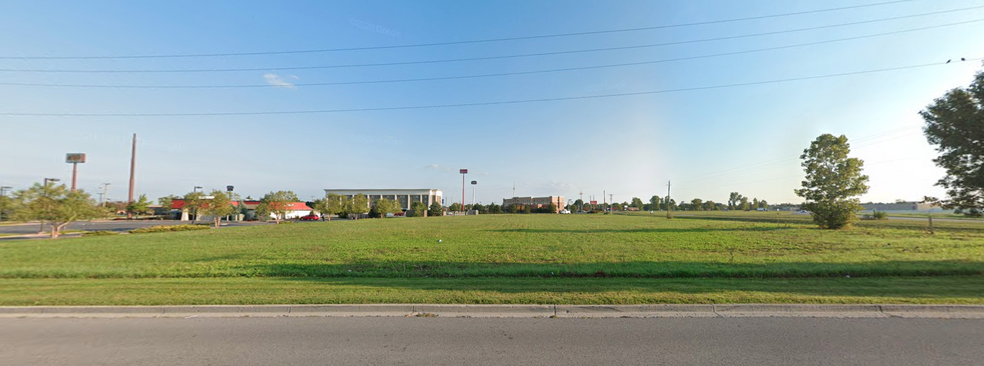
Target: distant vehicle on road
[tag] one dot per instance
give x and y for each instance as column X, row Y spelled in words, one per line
column 565, row 211
column 310, row 218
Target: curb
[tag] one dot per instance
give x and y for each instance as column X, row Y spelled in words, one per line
column 503, row 311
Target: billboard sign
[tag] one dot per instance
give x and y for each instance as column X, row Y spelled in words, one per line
column 474, row 182
column 463, row 171
column 229, row 188
column 74, row 158
column 594, row 202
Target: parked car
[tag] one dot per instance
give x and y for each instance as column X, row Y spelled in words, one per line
column 310, row 218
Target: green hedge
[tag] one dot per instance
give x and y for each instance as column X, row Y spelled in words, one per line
column 169, row 228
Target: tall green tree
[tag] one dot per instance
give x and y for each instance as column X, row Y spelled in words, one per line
column 955, row 125
column 636, row 202
column 55, row 206
column 334, row 204
column 359, row 205
column 455, row 207
column 278, row 203
column 216, row 205
column 418, row 209
column 833, row 182
column 697, row 204
column 435, row 209
column 733, row 199
column 7, row 207
column 192, row 201
column 743, row 205
column 654, row 203
column 140, row 206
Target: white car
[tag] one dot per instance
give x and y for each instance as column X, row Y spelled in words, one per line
column 565, row 211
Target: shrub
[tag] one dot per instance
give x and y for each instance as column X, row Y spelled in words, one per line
column 879, row 215
column 100, row 233
column 169, row 228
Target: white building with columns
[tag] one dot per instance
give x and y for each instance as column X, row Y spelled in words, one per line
column 404, row 196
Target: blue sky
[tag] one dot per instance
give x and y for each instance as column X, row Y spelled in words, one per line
column 708, row 142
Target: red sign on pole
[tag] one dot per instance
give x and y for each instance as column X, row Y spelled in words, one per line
column 594, row 202
column 463, row 171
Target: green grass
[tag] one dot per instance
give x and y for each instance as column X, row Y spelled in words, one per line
column 636, row 258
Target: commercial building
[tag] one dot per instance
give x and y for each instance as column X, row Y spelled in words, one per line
column 535, row 202
column 405, row 197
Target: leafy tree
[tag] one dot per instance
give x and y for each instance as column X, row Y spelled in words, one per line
column 579, row 203
column 755, row 203
column 360, row 204
column 218, row 206
column 955, row 125
column 167, row 201
column 139, row 207
column 418, row 208
column 552, row 208
column 455, row 207
column 526, row 209
column 764, row 204
column 833, row 180
column 55, row 206
column 7, row 207
column 435, row 210
column 743, row 205
column 733, row 200
column 385, row 206
column 192, row 201
column 335, row 204
column 710, row 206
column 278, row 203
column 654, row 203
column 494, row 208
column 697, row 204
column 637, row 202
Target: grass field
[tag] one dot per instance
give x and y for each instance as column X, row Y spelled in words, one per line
column 638, row 258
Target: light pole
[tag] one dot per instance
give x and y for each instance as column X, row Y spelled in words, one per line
column 581, row 195
column 195, row 190
column 463, row 173
column 474, row 185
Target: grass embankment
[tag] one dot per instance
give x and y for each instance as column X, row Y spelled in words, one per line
column 637, row 258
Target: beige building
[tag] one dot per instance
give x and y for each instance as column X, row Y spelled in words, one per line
column 535, row 202
column 404, row 196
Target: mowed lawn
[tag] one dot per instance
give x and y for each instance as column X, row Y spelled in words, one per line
column 637, row 258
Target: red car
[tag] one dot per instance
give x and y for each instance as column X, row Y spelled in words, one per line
column 310, row 218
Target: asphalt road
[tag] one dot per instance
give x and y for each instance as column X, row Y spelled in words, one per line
column 482, row 341
column 122, row 225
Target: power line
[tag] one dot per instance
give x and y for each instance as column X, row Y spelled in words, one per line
column 473, row 104
column 499, row 57
column 504, row 39
column 124, row 86
column 784, row 160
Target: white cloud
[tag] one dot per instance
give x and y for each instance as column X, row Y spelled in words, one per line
column 279, row 82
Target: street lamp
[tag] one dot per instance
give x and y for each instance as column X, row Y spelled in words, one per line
column 46, row 180
column 195, row 190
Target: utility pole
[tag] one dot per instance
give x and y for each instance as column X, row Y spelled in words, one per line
column 133, row 165
column 581, row 195
column 611, row 197
column 514, row 189
column 102, row 195
column 668, row 206
column 604, row 205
